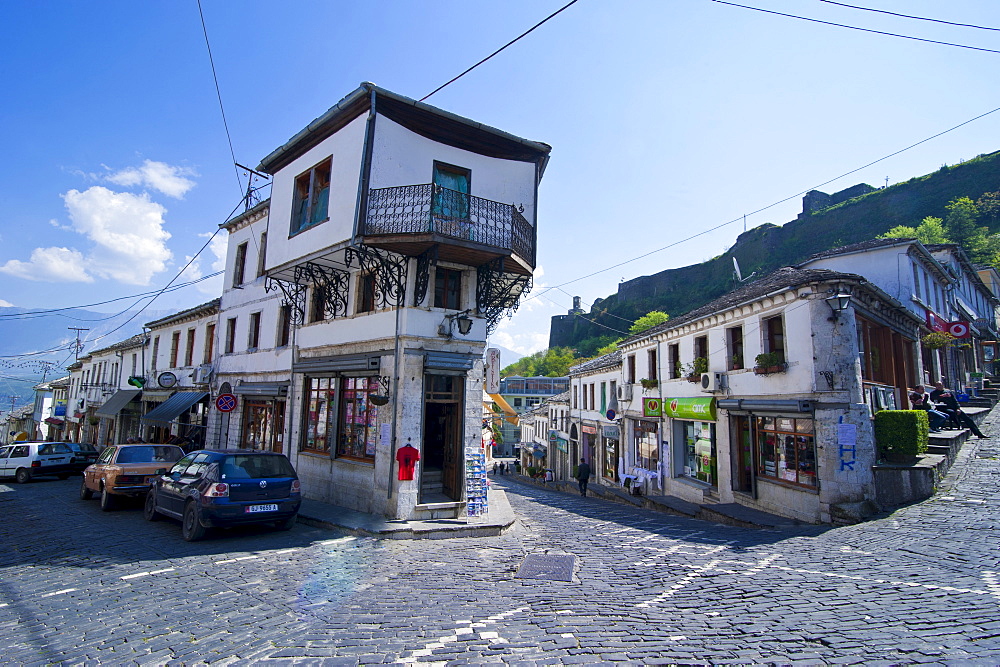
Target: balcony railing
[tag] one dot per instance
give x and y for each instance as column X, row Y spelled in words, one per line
column 432, row 209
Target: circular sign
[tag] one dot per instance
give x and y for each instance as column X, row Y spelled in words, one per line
column 225, row 402
column 166, row 379
column 611, row 414
column 958, row 329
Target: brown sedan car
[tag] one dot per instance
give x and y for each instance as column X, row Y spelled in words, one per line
column 125, row 470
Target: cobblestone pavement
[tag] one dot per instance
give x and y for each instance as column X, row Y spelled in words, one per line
column 921, row 585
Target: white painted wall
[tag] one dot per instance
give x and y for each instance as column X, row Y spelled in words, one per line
column 346, row 148
column 401, row 157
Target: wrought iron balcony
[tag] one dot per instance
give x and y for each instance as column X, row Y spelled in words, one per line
column 433, row 211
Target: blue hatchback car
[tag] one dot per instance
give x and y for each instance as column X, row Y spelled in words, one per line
column 225, row 487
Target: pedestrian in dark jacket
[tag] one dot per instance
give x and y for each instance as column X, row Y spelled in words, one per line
column 583, row 476
column 920, row 400
column 945, row 398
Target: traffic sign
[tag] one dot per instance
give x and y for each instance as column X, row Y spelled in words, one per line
column 226, row 402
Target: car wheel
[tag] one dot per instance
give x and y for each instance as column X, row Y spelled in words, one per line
column 85, row 493
column 107, row 500
column 191, row 528
column 63, row 475
column 23, row 476
column 287, row 524
column 149, row 509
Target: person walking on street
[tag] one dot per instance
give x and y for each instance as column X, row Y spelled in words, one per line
column 946, row 397
column 583, row 476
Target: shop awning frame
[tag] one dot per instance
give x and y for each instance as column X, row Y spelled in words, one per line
column 167, row 412
column 118, row 400
column 511, row 413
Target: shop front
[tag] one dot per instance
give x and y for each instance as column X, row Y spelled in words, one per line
column 693, row 431
column 609, row 469
column 262, row 415
column 645, row 441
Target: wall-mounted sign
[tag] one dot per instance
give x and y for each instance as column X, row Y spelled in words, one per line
column 225, row 402
column 492, row 371
column 652, row 407
column 166, row 379
column 959, row 329
column 702, row 408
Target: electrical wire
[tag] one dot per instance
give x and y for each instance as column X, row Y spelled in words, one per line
column 218, row 93
column 763, row 208
column 32, row 314
column 854, row 27
column 908, row 16
column 523, row 34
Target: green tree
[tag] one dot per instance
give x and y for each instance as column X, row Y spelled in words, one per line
column 989, row 208
column 552, row 362
column 648, row 321
column 960, row 224
column 930, row 230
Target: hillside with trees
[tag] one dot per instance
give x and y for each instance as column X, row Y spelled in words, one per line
column 965, row 197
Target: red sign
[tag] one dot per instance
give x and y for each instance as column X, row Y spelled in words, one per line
column 959, row 329
column 225, row 402
column 936, row 323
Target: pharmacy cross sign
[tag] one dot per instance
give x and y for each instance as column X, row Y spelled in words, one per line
column 226, row 402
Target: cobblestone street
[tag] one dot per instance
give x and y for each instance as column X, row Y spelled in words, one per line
column 919, row 586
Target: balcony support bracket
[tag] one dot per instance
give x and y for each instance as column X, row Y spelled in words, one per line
column 498, row 292
column 426, row 261
column 387, row 268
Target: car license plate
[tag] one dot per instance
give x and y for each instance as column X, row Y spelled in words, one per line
column 261, row 508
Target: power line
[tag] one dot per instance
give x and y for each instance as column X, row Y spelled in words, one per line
column 31, row 314
column 909, row 16
column 523, row 34
column 854, row 27
column 763, row 208
column 218, row 93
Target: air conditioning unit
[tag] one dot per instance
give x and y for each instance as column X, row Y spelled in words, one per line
column 624, row 392
column 202, row 374
column 711, row 381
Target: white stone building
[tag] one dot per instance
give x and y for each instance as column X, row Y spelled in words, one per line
column 254, row 342
column 595, row 432
column 398, row 235
column 779, row 419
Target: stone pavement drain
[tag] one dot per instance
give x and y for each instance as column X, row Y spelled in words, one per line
column 552, row 567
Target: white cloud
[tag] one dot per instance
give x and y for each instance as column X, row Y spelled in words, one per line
column 217, row 248
column 52, row 265
column 160, row 176
column 522, row 343
column 127, row 232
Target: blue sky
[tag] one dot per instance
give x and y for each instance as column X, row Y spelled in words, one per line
column 667, row 118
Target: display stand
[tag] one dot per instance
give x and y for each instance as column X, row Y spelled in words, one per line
column 476, row 483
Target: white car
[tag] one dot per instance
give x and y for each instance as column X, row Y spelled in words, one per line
column 25, row 460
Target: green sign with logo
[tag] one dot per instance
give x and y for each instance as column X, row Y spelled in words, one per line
column 690, row 408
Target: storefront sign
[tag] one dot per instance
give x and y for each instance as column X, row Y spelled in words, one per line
column 652, row 407
column 612, row 432
column 590, row 429
column 644, row 426
column 492, row 371
column 959, row 329
column 690, row 408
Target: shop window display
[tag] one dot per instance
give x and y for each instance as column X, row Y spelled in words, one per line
column 787, row 450
column 698, row 455
column 358, row 418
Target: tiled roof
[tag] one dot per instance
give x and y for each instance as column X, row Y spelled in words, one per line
column 604, row 361
column 784, row 278
column 861, row 246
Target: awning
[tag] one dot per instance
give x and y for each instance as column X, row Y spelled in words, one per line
column 505, row 406
column 118, row 400
column 166, row 412
column 53, row 421
column 261, row 389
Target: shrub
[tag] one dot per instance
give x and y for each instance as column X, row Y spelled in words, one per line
column 901, row 432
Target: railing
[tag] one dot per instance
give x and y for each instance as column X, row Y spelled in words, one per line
column 422, row 209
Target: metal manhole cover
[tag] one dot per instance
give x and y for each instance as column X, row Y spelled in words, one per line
column 553, row 567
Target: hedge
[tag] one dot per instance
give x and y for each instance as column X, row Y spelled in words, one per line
column 901, row 432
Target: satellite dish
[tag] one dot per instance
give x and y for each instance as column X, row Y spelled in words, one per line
column 739, row 274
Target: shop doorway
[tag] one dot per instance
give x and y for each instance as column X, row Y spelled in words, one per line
column 743, row 478
column 442, row 458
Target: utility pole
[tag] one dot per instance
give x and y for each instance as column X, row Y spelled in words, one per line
column 76, row 350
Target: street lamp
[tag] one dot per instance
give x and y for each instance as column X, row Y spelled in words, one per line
column 838, row 303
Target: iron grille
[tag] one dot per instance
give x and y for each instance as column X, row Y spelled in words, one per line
column 429, row 208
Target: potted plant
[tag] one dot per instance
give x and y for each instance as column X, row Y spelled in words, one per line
column 93, row 420
column 696, row 368
column 769, row 362
column 736, row 362
column 649, row 383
